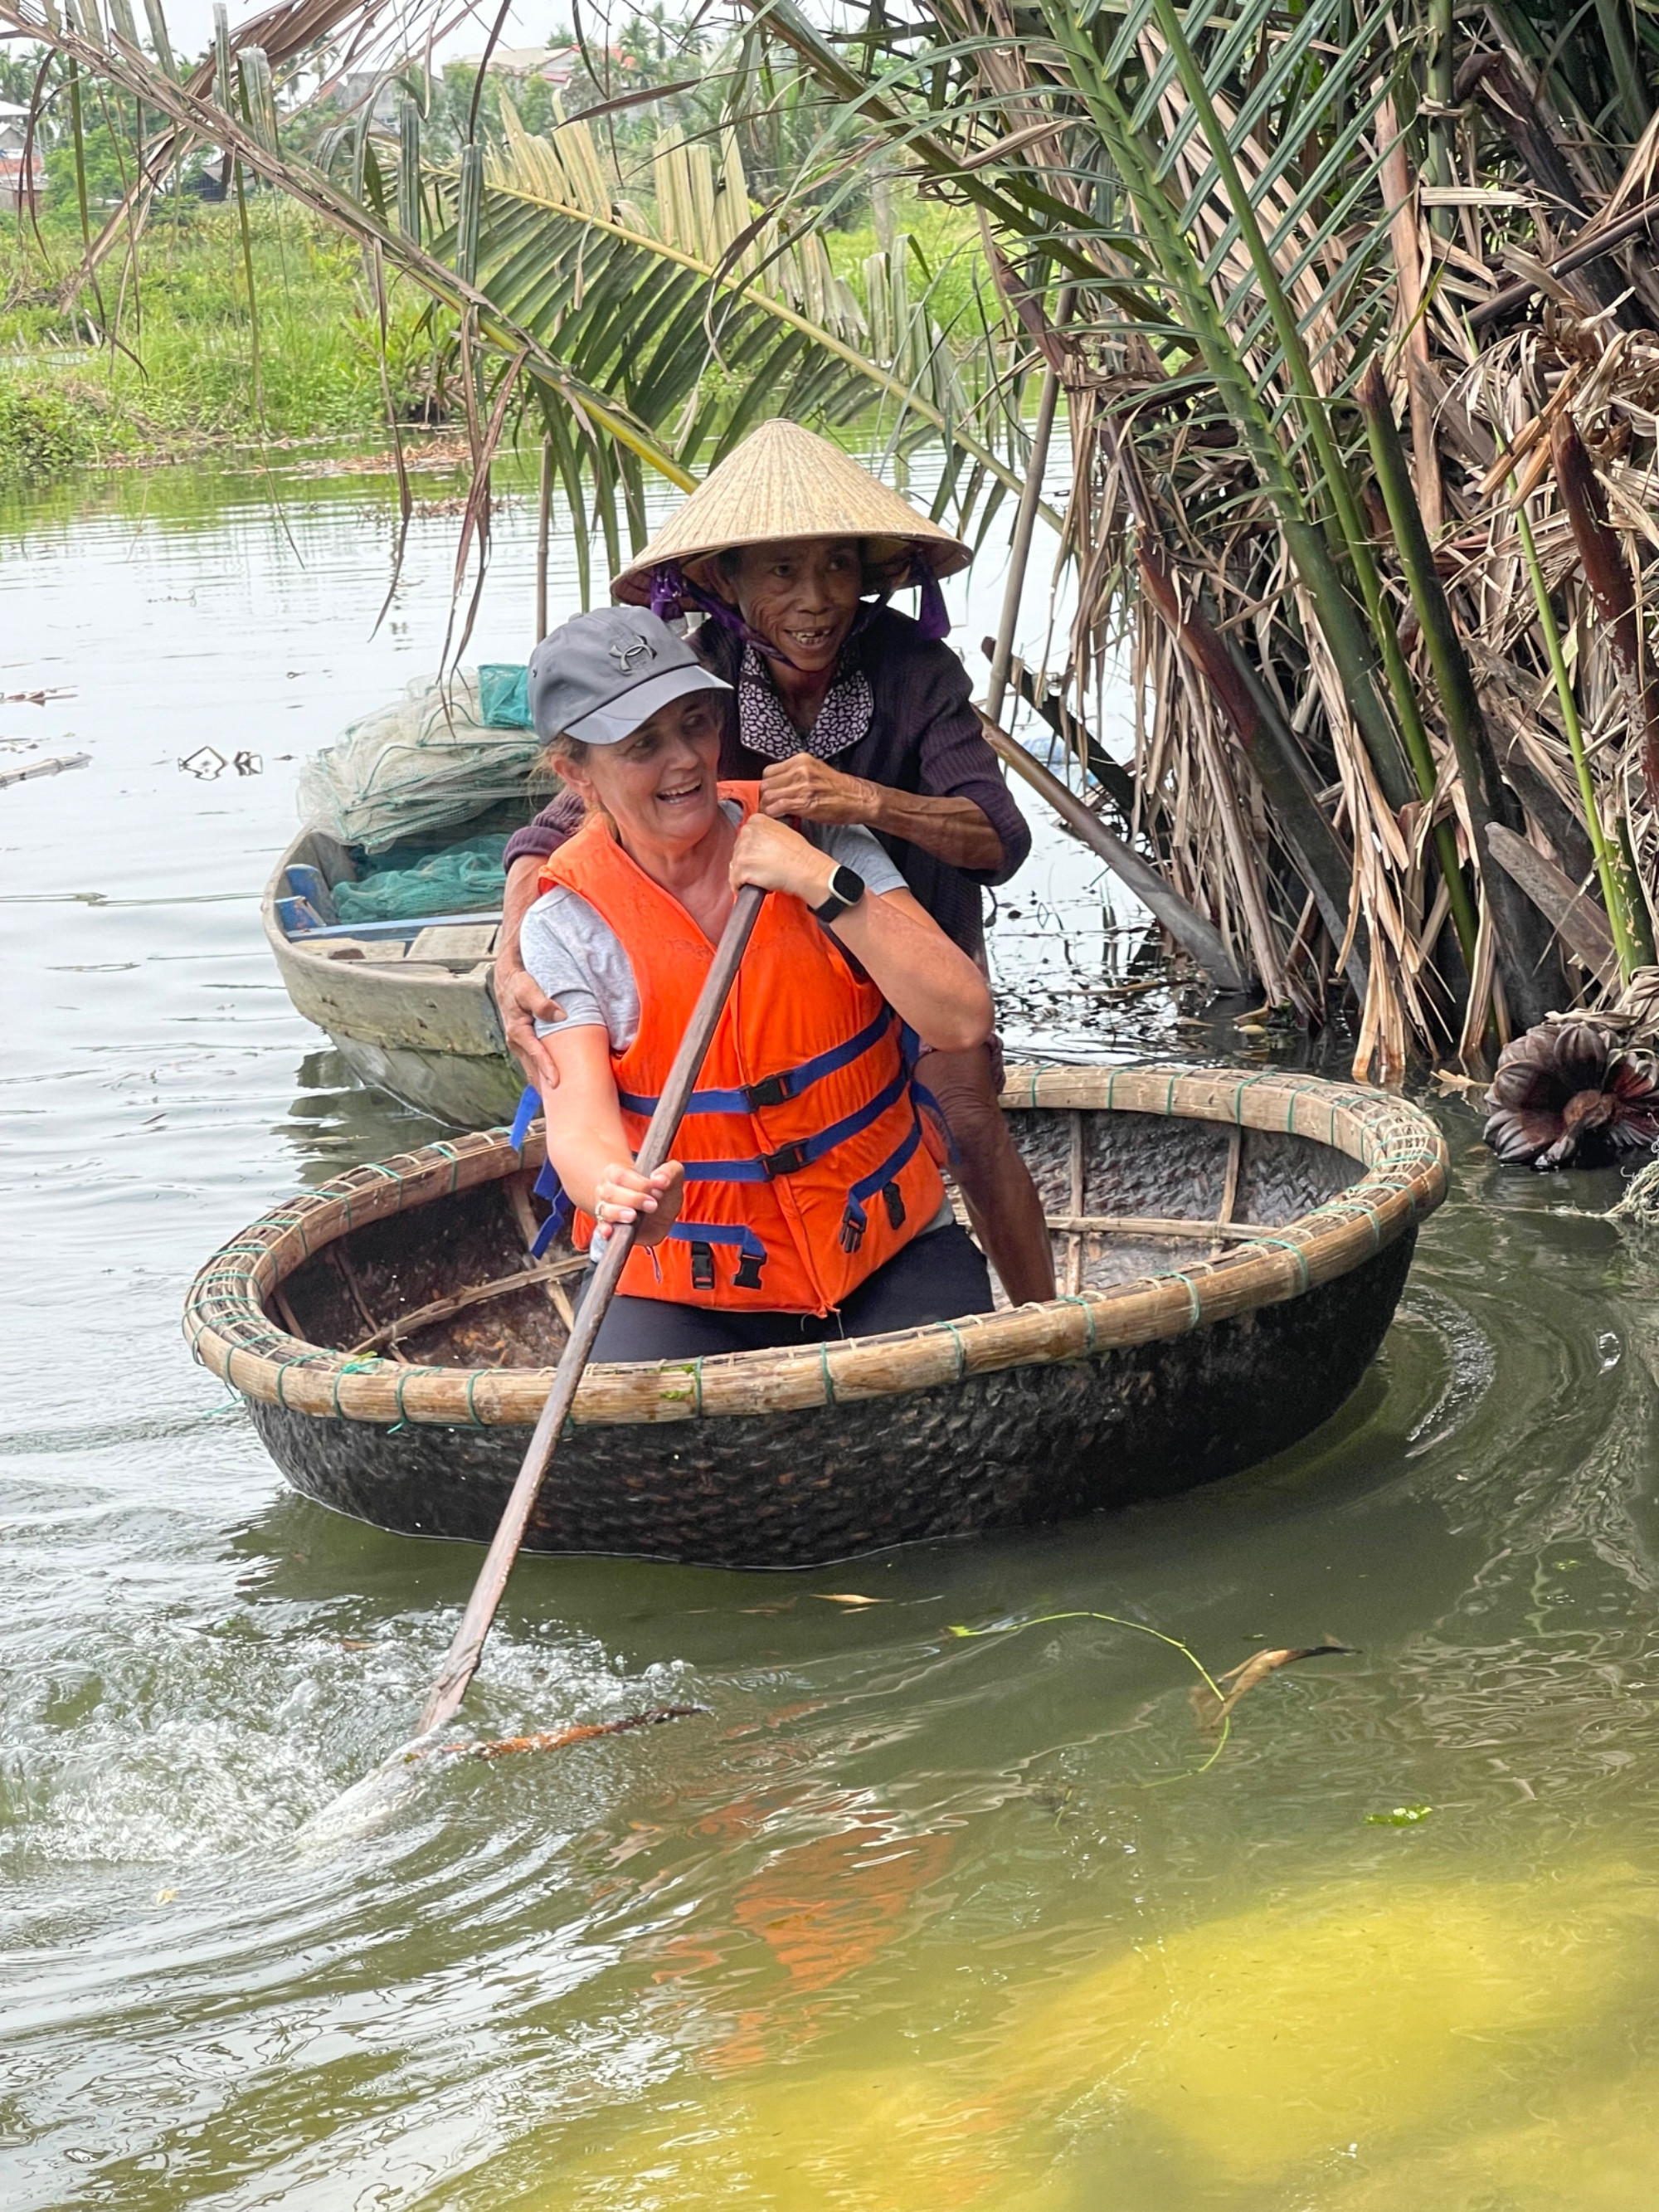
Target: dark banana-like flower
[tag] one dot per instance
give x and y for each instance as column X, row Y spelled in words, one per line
column 1569, row 1094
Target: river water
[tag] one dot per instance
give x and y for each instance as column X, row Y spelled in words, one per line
column 908, row 1921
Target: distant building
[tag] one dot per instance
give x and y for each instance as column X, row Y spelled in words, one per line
column 553, row 65
column 14, row 138
column 378, row 88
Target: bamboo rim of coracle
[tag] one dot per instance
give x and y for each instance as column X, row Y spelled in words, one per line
column 231, row 1332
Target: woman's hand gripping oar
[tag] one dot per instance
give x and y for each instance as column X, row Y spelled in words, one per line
column 466, row 1651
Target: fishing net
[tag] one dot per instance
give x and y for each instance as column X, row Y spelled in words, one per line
column 466, row 878
column 435, row 757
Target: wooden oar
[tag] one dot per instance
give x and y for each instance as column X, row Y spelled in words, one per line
column 464, row 1652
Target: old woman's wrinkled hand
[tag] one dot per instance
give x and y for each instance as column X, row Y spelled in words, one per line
column 522, row 1003
column 812, row 791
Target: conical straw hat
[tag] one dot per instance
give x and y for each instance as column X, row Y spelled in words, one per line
column 784, row 482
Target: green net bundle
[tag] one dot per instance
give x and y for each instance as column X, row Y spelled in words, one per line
column 433, row 759
column 466, row 878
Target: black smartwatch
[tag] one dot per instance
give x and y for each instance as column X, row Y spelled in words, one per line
column 846, row 889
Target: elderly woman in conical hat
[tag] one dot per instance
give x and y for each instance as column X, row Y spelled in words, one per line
column 846, row 712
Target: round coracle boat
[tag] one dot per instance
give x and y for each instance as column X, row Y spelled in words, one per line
column 1229, row 1251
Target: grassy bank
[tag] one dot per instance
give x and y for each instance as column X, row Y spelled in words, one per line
column 182, row 373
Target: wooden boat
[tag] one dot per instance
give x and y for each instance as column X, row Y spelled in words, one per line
column 1230, row 1248
column 408, row 1006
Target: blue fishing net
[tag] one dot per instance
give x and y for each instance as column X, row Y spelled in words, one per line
column 400, row 885
column 504, row 697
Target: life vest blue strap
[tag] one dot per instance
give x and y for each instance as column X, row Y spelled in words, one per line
column 530, row 1105
column 703, row 1236
column 883, row 1179
column 789, row 1159
column 910, row 1051
column 719, row 1232
column 774, row 1090
column 548, row 1186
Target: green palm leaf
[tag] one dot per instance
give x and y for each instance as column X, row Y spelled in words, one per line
column 702, row 321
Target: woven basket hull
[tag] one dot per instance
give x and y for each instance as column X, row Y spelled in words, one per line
column 1011, row 1449
column 1230, row 1249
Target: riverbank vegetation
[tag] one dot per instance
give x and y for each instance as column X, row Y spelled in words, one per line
column 212, row 321
column 180, row 370
column 1356, row 320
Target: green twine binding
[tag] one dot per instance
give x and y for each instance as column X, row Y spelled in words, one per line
column 1086, row 1308
column 962, row 1355
column 1284, row 1245
column 472, row 1410
column 351, row 1367
column 1194, row 1299
column 829, row 1379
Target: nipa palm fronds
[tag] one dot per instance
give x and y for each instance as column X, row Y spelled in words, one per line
column 1247, row 212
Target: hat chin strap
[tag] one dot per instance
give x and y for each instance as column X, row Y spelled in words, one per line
column 672, row 589
column 932, row 618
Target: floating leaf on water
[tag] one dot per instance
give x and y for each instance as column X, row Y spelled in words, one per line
column 1403, row 1816
column 1212, row 1710
column 848, row 1597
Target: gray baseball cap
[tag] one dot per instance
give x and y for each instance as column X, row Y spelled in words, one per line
column 598, row 676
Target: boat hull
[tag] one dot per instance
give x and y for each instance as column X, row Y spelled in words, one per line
column 1230, row 1248
column 1014, row 1448
column 419, row 1021
column 464, row 1090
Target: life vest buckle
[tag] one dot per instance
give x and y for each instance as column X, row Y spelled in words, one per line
column 748, row 1275
column 787, row 1160
column 703, row 1267
column 770, row 1091
column 893, row 1199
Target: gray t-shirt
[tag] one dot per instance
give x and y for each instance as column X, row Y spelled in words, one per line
column 578, row 959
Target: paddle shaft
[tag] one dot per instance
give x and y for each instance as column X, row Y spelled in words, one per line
column 465, row 1653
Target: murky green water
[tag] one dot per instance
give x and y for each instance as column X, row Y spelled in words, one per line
column 907, row 1922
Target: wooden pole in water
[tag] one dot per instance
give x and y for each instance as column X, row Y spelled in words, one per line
column 543, row 519
column 1193, row 931
column 467, row 1648
column 1019, row 552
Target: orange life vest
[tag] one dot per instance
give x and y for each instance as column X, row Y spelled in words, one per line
column 807, row 1163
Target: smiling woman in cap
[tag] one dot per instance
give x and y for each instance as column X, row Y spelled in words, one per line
column 850, row 714
column 811, row 1205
